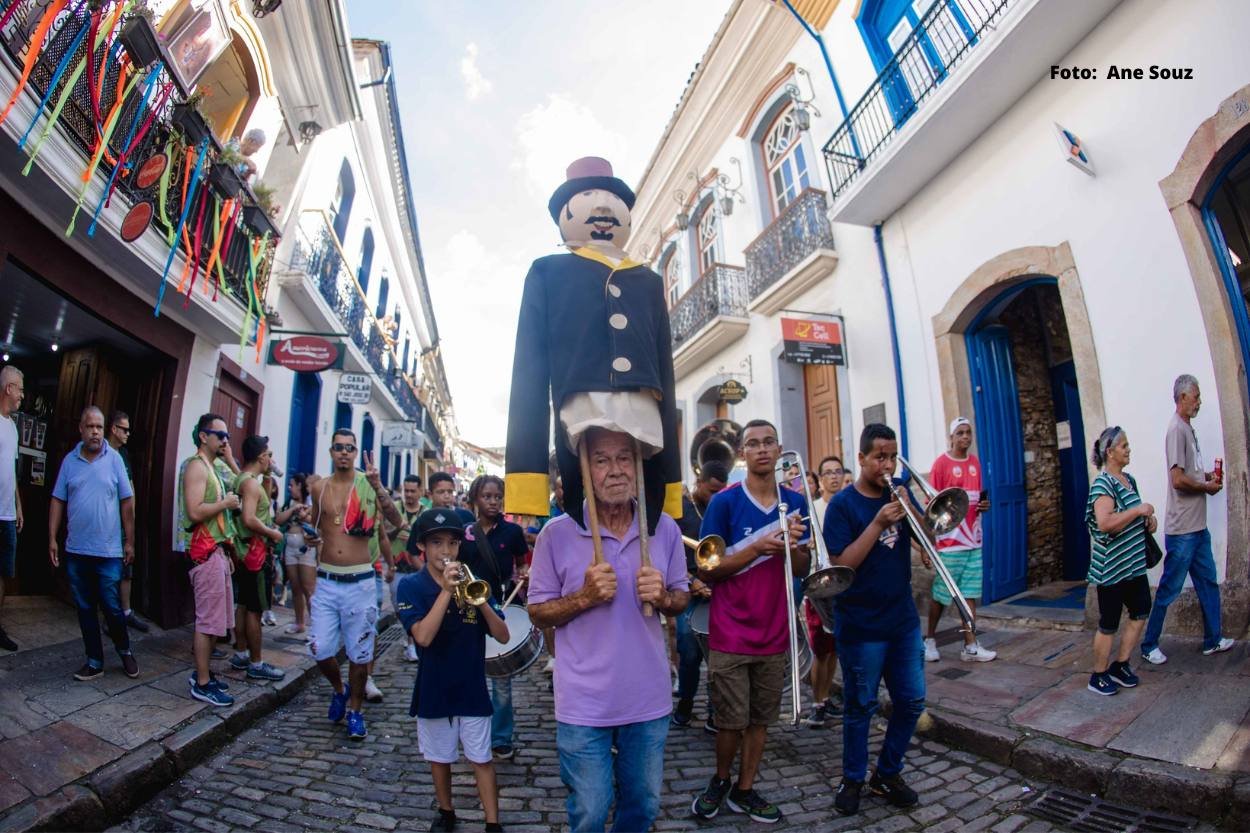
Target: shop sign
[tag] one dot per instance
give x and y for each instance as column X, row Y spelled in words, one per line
column 306, row 354
column 398, row 435
column 808, row 341
column 732, row 391
column 355, row 388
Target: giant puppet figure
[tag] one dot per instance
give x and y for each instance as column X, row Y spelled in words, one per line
column 593, row 342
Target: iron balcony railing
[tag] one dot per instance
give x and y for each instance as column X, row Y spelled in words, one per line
column 801, row 228
column 722, row 290
column 947, row 33
column 78, row 124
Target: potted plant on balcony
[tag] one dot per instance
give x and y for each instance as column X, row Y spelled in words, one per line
column 138, row 35
column 225, row 174
column 257, row 216
column 187, row 118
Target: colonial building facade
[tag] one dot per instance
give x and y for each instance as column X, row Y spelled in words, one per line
column 997, row 240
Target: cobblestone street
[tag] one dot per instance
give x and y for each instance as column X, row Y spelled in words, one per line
column 294, row 771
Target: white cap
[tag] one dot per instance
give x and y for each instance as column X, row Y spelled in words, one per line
column 956, row 422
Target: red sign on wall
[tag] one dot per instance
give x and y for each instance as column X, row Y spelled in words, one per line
column 808, row 341
column 306, row 354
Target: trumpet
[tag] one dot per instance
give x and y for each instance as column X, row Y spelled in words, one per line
column 469, row 590
column 942, row 514
column 708, row 550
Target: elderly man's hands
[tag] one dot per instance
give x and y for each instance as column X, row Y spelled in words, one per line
column 600, row 583
column 650, row 586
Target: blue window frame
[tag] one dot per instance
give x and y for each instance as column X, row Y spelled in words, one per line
column 366, row 260
column 344, row 196
column 1226, row 214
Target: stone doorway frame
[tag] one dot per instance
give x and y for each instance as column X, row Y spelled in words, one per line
column 1213, row 145
column 983, row 287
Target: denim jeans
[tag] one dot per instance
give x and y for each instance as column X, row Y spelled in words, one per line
column 586, row 768
column 689, row 657
column 502, row 720
column 901, row 662
column 96, row 582
column 1188, row 554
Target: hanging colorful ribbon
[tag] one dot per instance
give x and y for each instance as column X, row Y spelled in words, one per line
column 249, row 290
column 148, row 88
column 90, row 61
column 8, row 13
column 95, row 159
column 262, row 323
column 56, row 77
column 186, row 209
column 193, row 256
column 220, row 212
column 67, row 92
column 162, row 194
column 33, row 51
column 232, row 226
column 114, row 48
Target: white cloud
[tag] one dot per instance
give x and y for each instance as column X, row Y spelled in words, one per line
column 476, row 85
column 555, row 133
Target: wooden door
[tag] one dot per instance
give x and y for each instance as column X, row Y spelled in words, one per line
column 824, row 420
column 236, row 403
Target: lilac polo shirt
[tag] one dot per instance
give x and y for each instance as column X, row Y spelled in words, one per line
column 611, row 662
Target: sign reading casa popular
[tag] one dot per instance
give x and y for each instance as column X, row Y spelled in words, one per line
column 732, row 391
column 808, row 341
column 306, row 354
column 355, row 388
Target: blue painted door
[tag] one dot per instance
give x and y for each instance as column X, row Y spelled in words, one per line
column 1073, row 475
column 343, row 416
column 301, row 450
column 1001, row 447
column 366, row 442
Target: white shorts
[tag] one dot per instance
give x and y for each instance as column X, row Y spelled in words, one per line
column 343, row 616
column 437, row 736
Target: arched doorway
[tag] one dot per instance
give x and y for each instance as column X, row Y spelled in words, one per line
column 1206, row 195
column 1016, row 352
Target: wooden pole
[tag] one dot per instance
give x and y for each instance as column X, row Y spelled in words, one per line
column 591, row 508
column 644, row 539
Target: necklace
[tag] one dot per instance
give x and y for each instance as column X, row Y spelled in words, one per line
column 338, row 516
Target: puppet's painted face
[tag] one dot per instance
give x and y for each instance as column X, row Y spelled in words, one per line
column 595, row 216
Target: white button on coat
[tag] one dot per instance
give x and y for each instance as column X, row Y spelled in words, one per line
column 614, row 290
column 621, row 364
column 618, row 321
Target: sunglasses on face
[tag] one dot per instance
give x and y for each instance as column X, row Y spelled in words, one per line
column 348, row 447
column 122, row 429
column 221, row 435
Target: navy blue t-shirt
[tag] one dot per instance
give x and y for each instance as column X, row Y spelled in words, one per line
column 878, row 605
column 451, row 679
column 506, row 541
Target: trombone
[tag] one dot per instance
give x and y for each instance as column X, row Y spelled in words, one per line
column 943, row 513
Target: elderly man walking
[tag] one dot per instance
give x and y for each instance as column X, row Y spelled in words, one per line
column 1186, row 537
column 612, row 682
column 12, row 389
column 90, row 485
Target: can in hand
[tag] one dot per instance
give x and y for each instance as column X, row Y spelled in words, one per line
column 1219, row 469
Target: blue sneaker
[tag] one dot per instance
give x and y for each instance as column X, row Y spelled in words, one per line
column 1122, row 675
column 211, row 695
column 1102, row 684
column 240, row 661
column 213, row 682
column 338, row 704
column 356, row 726
column 265, row 671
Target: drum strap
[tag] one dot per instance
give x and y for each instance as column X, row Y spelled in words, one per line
column 483, row 548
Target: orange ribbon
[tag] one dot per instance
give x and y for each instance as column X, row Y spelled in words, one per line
column 33, row 52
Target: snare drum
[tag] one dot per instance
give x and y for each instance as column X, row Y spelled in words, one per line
column 699, row 619
column 524, row 645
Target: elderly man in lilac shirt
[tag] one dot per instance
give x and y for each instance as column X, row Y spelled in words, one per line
column 612, row 681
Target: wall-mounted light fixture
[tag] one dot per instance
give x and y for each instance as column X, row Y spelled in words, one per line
column 727, row 192
column 260, row 8
column 683, row 216
column 309, row 130
column 803, row 118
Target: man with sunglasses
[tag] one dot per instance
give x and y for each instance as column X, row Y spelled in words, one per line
column 118, row 435
column 12, row 389
column 349, row 509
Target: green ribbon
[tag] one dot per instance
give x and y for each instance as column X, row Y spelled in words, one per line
column 95, row 161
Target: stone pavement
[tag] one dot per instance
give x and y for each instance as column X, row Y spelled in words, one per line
column 1180, row 740
column 294, row 771
column 69, row 748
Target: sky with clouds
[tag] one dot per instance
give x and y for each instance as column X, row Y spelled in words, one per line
column 497, row 97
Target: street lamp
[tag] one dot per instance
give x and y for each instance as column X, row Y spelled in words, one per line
column 260, row 8
column 683, row 216
column 801, row 115
column 728, row 192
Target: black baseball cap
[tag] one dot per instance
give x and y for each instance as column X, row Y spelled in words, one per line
column 439, row 520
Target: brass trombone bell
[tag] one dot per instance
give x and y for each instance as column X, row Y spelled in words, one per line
column 708, row 550
column 946, row 509
column 718, row 440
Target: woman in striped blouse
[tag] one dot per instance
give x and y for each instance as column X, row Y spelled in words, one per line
column 1118, row 523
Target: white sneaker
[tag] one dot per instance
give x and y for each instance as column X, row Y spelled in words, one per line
column 930, row 651
column 975, row 653
column 1156, row 657
column 372, row 693
column 1225, row 644
column 267, row 618
column 410, row 653
column 550, row 667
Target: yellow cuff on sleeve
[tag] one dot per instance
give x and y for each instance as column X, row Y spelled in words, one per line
column 525, row 493
column 672, row 500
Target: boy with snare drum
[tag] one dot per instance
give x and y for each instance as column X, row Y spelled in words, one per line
column 449, row 698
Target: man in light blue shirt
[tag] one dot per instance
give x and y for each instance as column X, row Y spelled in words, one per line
column 91, row 483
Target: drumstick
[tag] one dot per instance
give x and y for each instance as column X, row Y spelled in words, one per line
column 592, row 510
column 515, row 590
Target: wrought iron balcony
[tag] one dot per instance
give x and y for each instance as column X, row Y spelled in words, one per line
column 945, row 36
column 800, row 234
column 720, row 292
